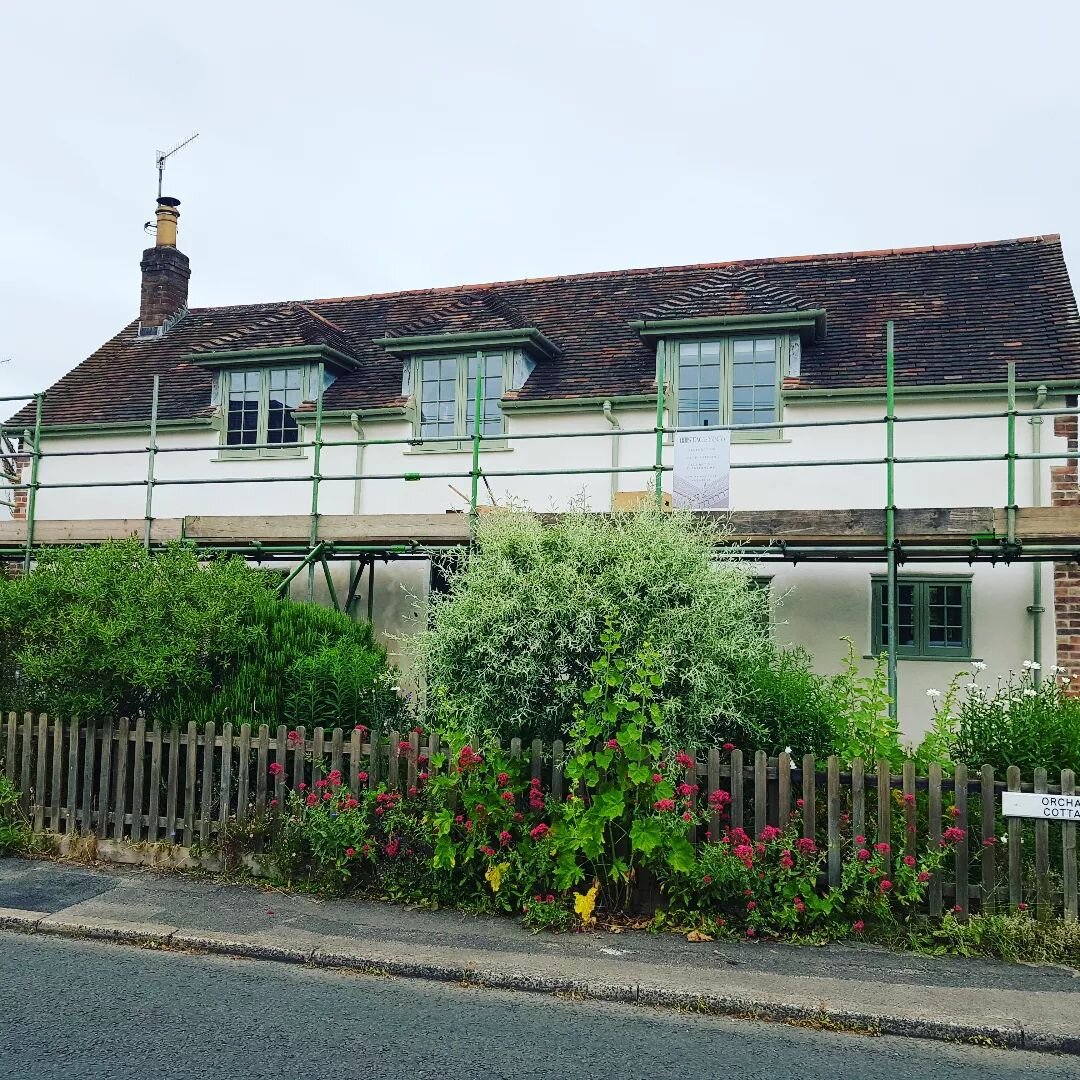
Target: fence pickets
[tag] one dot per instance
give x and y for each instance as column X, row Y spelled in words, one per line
column 124, row 781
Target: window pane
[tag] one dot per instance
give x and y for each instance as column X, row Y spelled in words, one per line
column 699, row 383
column 283, row 397
column 754, row 381
column 438, row 398
column 945, row 616
column 491, row 411
column 242, row 419
column 905, row 615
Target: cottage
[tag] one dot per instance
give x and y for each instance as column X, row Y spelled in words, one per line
column 787, row 353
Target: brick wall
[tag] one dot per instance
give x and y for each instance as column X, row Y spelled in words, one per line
column 1065, row 491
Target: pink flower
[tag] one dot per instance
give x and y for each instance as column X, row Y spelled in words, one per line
column 957, row 909
column 362, row 777
column 909, row 798
column 728, row 747
column 924, row 877
column 685, row 760
column 800, row 803
column 488, row 851
column 333, row 778
column 954, row 811
column 293, row 737
column 770, row 833
column 507, row 796
column 312, row 799
column 885, row 885
column 392, row 848
column 459, row 819
column 858, row 926
column 686, row 790
column 718, row 799
column 612, row 744
column 688, row 816
column 519, row 817
column 502, row 779
column 1021, row 906
column 276, row 768
column 909, row 860
column 273, row 802
column 990, row 841
column 750, row 931
column 751, row 905
column 883, row 848
column 362, row 728
column 786, row 861
column 806, row 845
column 301, row 787
column 664, row 805
column 657, row 778
column 504, row 838
column 413, row 792
column 350, row 852
column 422, row 760
column 860, row 840
column 863, row 855
column 952, row 835
column 706, row 879
column 539, row 831
column 327, row 796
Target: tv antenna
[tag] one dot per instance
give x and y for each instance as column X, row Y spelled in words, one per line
column 164, row 155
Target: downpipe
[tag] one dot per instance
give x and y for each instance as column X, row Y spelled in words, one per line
column 610, row 417
column 1036, row 608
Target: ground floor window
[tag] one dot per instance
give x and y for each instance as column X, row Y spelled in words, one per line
column 933, row 616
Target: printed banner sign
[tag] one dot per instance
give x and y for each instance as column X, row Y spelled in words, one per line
column 702, row 476
column 1035, row 805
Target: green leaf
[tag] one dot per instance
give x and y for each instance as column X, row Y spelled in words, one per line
column 681, row 857
column 638, row 774
column 610, row 803
column 645, row 835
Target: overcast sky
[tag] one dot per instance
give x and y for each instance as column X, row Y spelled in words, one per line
column 348, row 148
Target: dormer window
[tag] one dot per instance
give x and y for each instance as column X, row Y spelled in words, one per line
column 445, row 394
column 728, row 381
column 260, row 404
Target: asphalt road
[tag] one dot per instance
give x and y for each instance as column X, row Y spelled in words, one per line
column 78, row 1010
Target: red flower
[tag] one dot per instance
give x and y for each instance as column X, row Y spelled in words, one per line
column 664, row 805
column 954, row 811
column 519, row 817
column 800, row 803
column 924, row 877
column 885, row 885
column 503, row 779
column 952, row 834
column 422, row 760
column 362, row 777
column 413, row 792
column 1021, row 906
column 507, row 796
column 327, row 796
column 351, row 803
column 957, row 909
column 333, row 778
column 612, row 744
column 312, row 799
column 685, row 760
column 459, row 819
column 488, row 851
column 862, row 855
column 404, row 746
column 728, row 747
column 858, row 926
column 301, row 787
column 392, row 848
column 350, row 852
column 883, row 848
column 860, row 840
column 294, row 737
column 718, row 799
column 751, row 904
column 686, row 790
column 990, row 841
column 707, row 879
column 273, row 802
column 750, row 931
column 504, row 838
column 276, row 768
column 688, row 816
column 909, row 798
column 786, row 861
column 657, row 778
column 806, row 845
column 770, row 833
column 361, row 728
column 909, row 860
column 540, row 831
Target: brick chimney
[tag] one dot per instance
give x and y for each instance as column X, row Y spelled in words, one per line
column 165, row 273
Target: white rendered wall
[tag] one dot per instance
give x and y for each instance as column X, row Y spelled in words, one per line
column 822, row 602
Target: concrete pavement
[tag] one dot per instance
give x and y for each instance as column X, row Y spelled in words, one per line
column 856, row 986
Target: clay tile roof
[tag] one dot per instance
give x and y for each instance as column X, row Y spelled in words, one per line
column 961, row 312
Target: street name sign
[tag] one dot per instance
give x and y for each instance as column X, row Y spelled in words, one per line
column 1036, row 805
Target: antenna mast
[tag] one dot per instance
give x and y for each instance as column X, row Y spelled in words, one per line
column 164, row 155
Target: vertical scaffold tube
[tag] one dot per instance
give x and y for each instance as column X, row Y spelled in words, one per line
column 31, row 495
column 658, row 468
column 316, row 477
column 893, row 606
column 151, row 457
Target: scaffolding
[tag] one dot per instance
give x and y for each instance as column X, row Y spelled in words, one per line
column 891, row 534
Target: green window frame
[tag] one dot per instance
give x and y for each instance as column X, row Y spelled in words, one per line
column 258, row 405
column 727, row 381
column 444, row 391
column 934, row 616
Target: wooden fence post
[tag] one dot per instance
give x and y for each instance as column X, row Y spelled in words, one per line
column 833, row 820
column 960, row 800
column 809, row 796
column 1015, row 832
column 123, row 748
column 1068, row 852
column 40, row 794
column 1043, row 906
column 207, row 800
column 137, row 786
column 736, row 765
column 934, row 820
column 988, row 863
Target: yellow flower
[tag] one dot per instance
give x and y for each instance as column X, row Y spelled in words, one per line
column 494, row 875
column 584, row 904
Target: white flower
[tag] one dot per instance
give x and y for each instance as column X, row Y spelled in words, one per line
column 1027, row 665
column 933, row 694
column 1035, row 666
column 978, row 665
column 1055, row 670
column 1028, row 692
